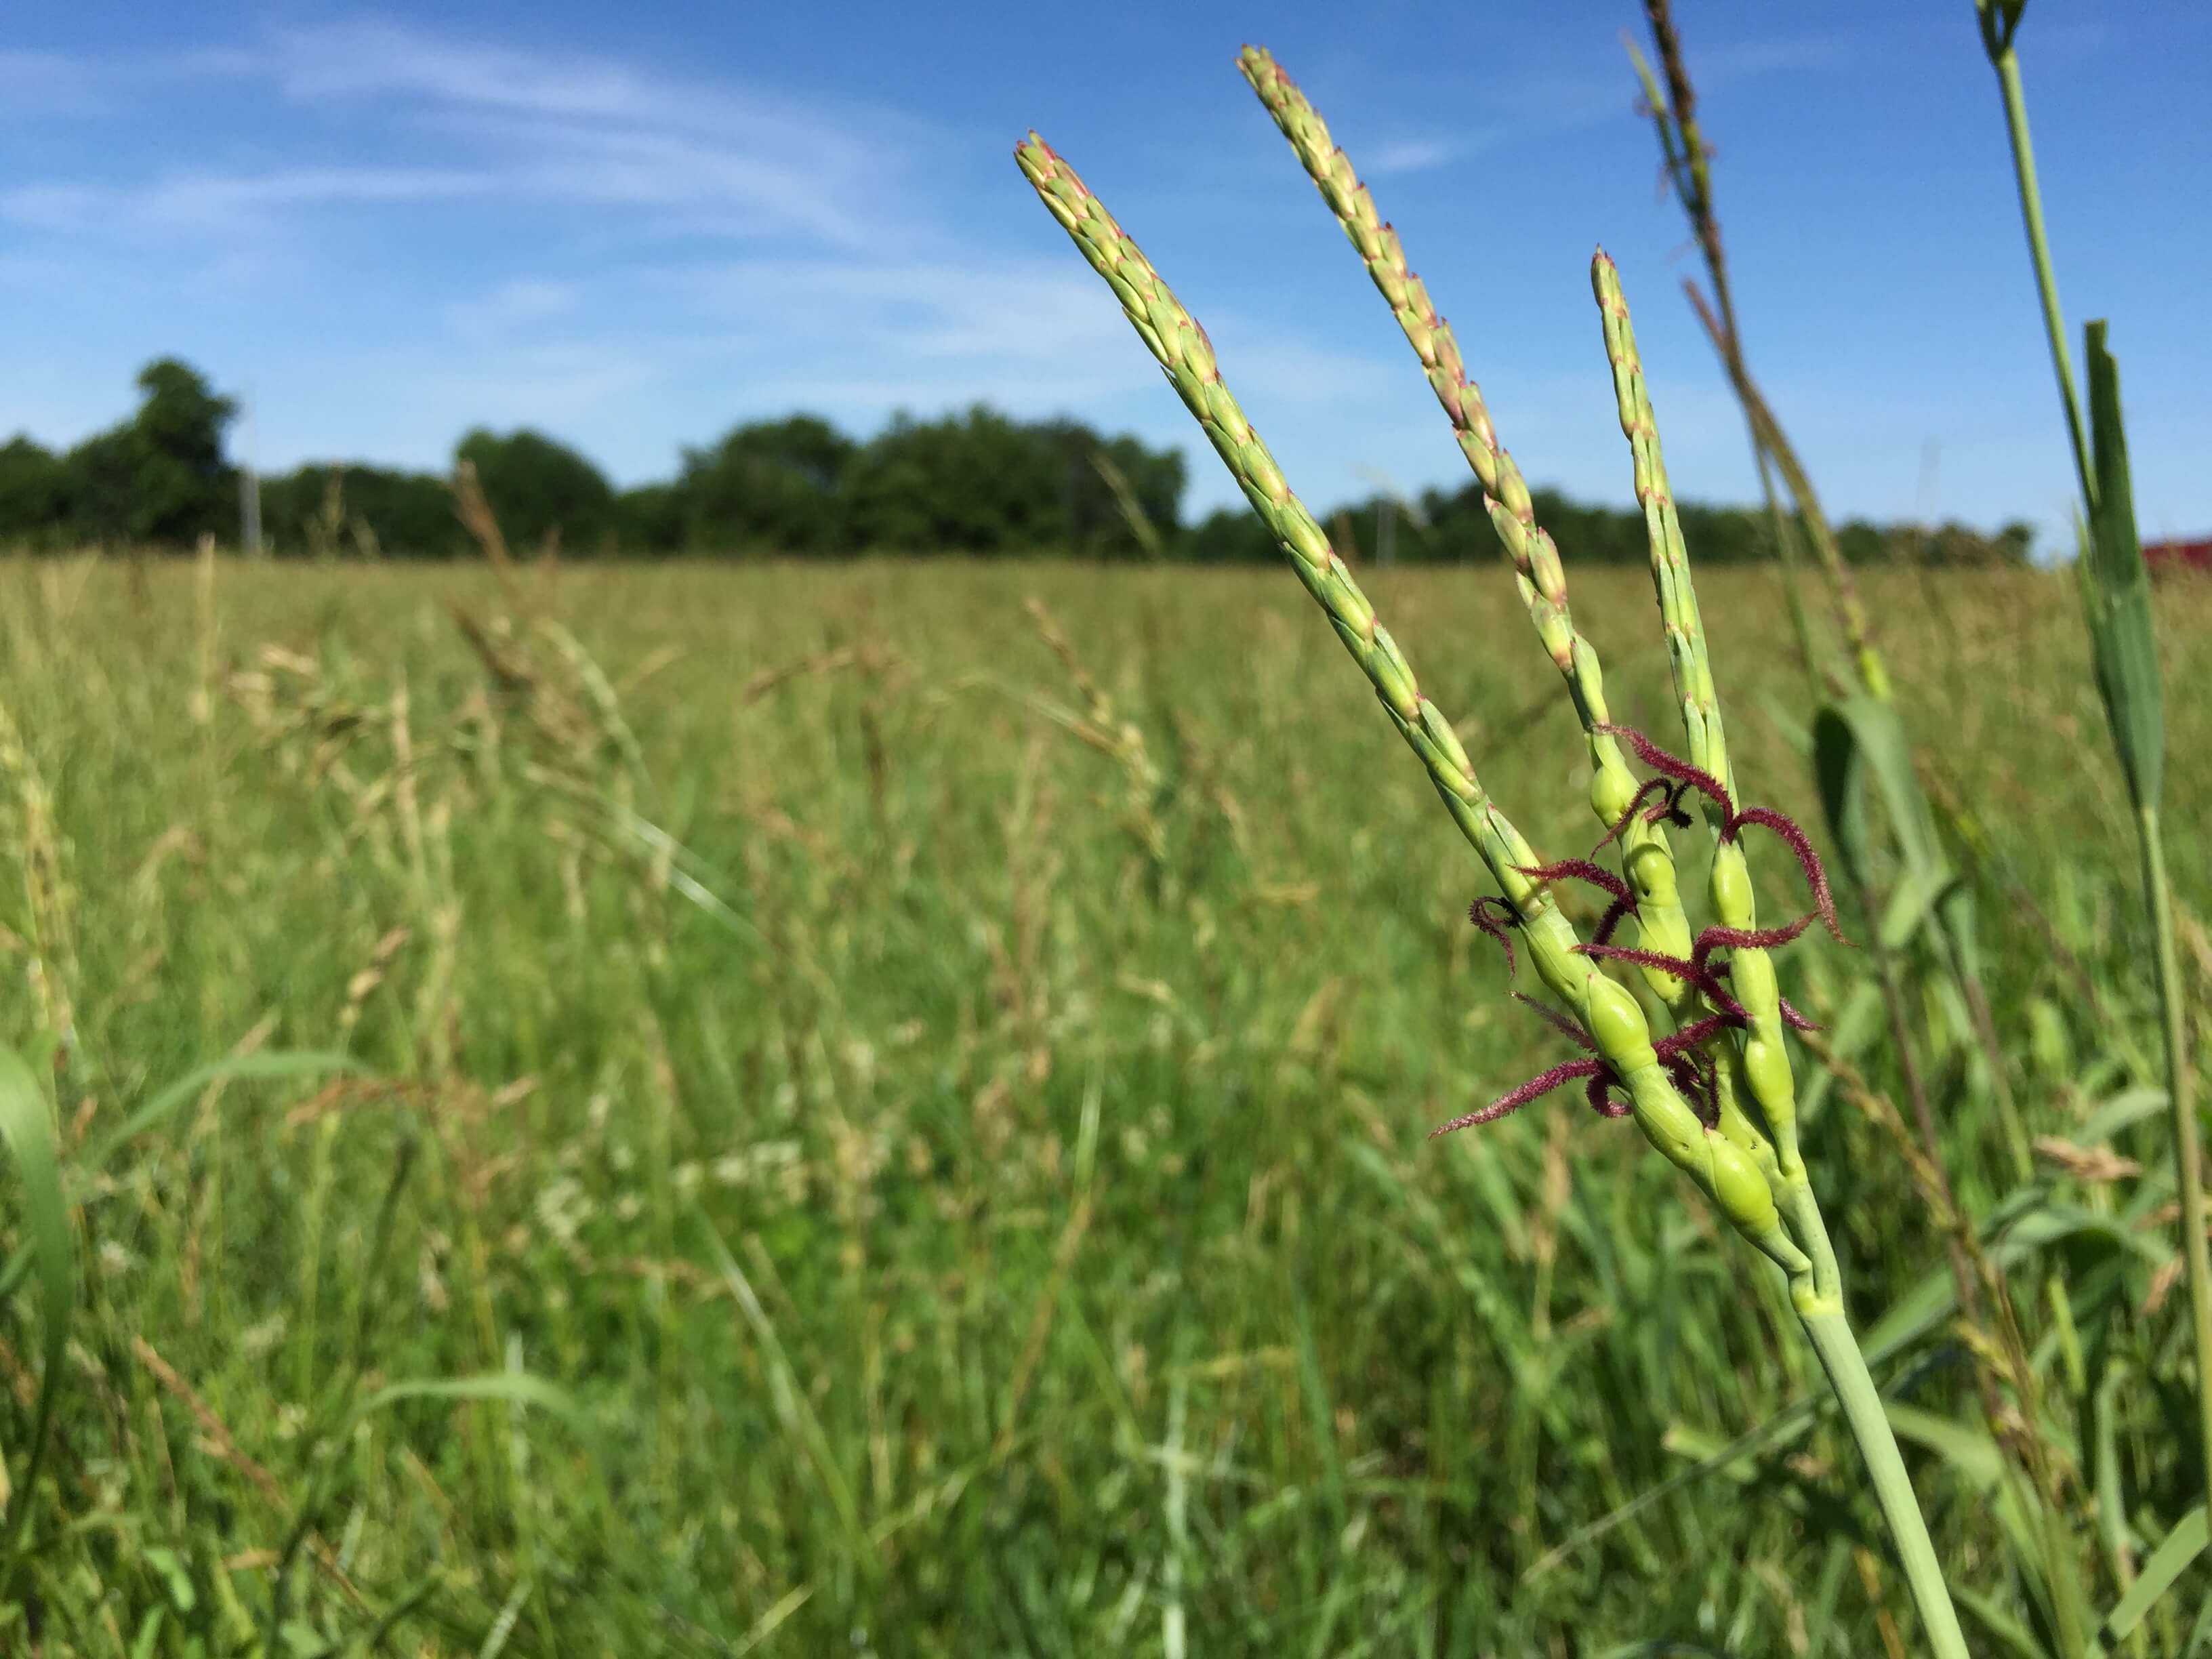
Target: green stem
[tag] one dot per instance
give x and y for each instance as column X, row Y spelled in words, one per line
column 1831, row 1338
column 2188, row 1143
column 2039, row 249
column 2157, row 898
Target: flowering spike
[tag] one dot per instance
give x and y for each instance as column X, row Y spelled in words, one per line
column 1809, row 861
column 1559, row 1022
column 1691, row 1036
column 1581, row 870
column 1792, row 1017
column 1479, row 912
column 1615, row 913
column 1706, row 979
column 1542, row 1084
column 1675, row 767
column 1747, row 939
column 1599, row 1093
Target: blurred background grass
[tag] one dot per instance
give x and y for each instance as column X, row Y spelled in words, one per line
column 942, row 1084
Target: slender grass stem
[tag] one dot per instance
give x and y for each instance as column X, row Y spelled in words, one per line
column 2039, row 249
column 1830, row 1333
column 2157, row 898
column 2188, row 1136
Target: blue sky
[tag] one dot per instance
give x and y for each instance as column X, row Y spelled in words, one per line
column 633, row 226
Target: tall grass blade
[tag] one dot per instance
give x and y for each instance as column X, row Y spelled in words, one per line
column 2118, row 592
column 2167, row 1563
column 27, row 1126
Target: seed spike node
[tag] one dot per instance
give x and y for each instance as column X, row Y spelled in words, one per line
column 1688, row 969
column 1733, row 819
column 1675, row 767
column 1747, row 939
column 1785, row 828
column 1581, row 870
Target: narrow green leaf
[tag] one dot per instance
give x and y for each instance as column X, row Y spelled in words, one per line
column 2122, row 632
column 2166, row 1563
column 1839, row 767
column 1997, row 1623
column 1859, row 745
column 1973, row 1456
column 516, row 1388
column 28, row 1127
column 282, row 1064
column 2129, row 1107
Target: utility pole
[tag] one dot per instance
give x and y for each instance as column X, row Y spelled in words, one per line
column 1391, row 503
column 249, row 492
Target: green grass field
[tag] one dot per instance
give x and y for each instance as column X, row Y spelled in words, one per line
column 954, row 1130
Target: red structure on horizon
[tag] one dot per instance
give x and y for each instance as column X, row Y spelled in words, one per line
column 2179, row 555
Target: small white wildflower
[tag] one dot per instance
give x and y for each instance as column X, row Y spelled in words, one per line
column 860, row 1055
column 562, row 1207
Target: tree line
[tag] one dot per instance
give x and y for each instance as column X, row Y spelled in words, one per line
column 977, row 483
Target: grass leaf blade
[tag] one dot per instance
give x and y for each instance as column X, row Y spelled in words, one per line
column 29, row 1128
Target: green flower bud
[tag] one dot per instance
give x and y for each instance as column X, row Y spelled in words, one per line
column 1766, row 1065
column 1611, row 1015
column 1751, row 975
column 1733, row 905
column 1611, row 787
column 1741, row 1191
column 1667, row 1121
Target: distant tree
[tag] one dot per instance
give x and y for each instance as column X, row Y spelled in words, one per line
column 100, row 487
column 971, row 483
column 33, row 495
column 981, row 483
column 770, row 487
column 1094, row 520
column 406, row 514
column 161, row 475
column 184, row 488
column 651, row 520
column 1229, row 535
column 538, row 487
column 1861, row 542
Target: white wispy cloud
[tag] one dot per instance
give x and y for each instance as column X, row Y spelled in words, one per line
column 1410, row 155
column 510, row 306
column 675, row 243
column 529, row 127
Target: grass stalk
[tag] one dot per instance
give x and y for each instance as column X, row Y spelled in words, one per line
column 1832, row 1338
column 2117, row 589
column 2188, row 1140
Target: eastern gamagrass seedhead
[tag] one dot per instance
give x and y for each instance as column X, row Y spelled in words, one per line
column 1715, row 1092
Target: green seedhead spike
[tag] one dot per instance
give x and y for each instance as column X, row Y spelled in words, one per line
column 1732, row 1177
column 1538, row 574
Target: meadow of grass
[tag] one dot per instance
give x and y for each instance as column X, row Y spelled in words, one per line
column 940, row 1088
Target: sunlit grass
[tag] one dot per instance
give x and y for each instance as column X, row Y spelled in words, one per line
column 967, row 1160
